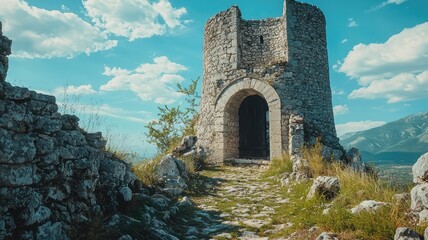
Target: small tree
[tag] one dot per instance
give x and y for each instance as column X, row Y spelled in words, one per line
column 173, row 122
column 190, row 115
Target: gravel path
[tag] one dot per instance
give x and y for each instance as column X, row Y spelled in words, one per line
column 240, row 205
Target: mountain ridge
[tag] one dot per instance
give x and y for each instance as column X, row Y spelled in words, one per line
column 406, row 135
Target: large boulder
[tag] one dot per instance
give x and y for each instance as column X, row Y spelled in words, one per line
column 167, row 167
column 404, row 233
column 420, row 169
column 171, row 174
column 327, row 187
column 419, row 197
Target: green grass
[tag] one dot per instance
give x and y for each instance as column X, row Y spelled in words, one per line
column 279, row 166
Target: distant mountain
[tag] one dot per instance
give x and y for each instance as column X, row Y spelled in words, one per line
column 399, row 141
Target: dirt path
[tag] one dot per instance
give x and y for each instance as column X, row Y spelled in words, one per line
column 240, row 205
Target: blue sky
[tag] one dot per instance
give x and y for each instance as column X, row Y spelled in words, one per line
column 121, row 59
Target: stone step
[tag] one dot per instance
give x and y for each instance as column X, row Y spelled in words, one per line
column 243, row 161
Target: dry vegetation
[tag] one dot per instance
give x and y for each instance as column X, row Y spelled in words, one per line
column 355, row 188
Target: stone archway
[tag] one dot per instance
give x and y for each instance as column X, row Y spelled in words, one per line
column 227, row 119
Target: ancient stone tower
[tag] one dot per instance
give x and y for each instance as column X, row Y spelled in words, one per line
column 259, row 73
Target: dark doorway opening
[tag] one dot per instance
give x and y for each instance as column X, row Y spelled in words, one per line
column 254, row 128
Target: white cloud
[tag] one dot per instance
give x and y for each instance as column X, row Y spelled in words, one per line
column 396, row 70
column 352, row 22
column 105, row 110
column 386, row 3
column 337, row 91
column 41, row 33
column 337, row 65
column 131, row 116
column 134, row 19
column 344, row 41
column 74, row 90
column 150, row 81
column 349, row 127
column 340, row 110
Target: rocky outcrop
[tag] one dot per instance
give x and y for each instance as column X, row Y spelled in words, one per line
column 419, row 194
column 171, row 175
column 327, row 187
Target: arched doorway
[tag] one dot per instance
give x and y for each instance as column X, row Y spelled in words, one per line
column 226, row 137
column 254, row 128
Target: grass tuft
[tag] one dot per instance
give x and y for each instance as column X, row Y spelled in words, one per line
column 279, row 166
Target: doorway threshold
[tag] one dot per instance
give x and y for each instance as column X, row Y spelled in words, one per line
column 244, row 161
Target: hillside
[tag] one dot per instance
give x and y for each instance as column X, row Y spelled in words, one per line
column 398, row 141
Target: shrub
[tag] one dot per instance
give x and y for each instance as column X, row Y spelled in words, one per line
column 174, row 123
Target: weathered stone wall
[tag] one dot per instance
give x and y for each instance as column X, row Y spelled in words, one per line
column 262, row 42
column 291, row 58
column 54, row 176
column 306, row 83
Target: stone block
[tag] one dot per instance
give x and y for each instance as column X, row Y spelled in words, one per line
column 42, row 97
column 17, row 93
column 16, row 175
column 73, row 138
column 16, row 149
column 47, row 125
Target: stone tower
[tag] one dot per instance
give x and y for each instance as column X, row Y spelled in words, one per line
column 260, row 74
